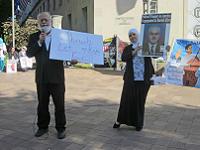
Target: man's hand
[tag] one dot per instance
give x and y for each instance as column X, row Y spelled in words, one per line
column 168, row 48
column 74, row 61
column 42, row 37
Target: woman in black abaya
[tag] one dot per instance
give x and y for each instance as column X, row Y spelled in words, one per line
column 137, row 82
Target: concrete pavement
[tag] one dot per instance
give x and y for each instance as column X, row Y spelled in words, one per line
column 172, row 119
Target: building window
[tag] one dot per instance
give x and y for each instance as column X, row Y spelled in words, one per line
column 69, row 18
column 150, row 6
column 43, row 7
column 145, row 6
column 54, row 4
column 60, row 2
column 85, row 19
column 48, row 5
column 153, row 6
column 37, row 12
column 40, row 9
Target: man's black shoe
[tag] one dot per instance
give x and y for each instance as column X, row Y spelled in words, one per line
column 116, row 125
column 61, row 134
column 138, row 128
column 40, row 132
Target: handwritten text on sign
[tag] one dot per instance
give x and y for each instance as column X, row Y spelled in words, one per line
column 69, row 45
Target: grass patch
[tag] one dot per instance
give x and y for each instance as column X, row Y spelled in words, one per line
column 84, row 66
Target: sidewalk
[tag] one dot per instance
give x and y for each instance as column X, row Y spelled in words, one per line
column 172, row 120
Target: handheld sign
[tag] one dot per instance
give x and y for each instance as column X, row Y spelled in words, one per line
column 155, row 30
column 69, row 45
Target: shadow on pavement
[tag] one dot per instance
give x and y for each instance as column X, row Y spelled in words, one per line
column 90, row 126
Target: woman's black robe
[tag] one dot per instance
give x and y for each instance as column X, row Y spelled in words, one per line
column 132, row 105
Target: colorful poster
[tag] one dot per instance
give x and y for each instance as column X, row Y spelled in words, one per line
column 154, row 36
column 69, row 45
column 112, row 47
column 183, row 66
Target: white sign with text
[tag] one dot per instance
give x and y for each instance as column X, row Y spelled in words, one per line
column 70, row 45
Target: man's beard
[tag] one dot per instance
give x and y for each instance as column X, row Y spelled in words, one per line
column 45, row 29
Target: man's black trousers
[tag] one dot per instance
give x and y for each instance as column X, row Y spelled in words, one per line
column 57, row 91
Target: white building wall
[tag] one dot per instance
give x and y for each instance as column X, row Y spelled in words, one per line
column 178, row 9
column 108, row 16
column 116, row 17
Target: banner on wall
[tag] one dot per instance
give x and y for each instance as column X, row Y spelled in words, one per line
column 183, row 66
column 11, row 66
column 26, row 62
column 193, row 29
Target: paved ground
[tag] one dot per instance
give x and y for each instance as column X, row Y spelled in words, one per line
column 172, row 120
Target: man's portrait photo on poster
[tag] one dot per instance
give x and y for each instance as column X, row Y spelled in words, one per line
column 154, row 39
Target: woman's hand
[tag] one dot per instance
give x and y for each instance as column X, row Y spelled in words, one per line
column 138, row 48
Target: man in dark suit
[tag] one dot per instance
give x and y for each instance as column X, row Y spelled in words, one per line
column 49, row 78
column 152, row 46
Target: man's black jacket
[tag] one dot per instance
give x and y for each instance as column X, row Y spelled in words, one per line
column 47, row 71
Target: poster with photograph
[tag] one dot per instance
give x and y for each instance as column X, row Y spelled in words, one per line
column 183, row 66
column 154, row 36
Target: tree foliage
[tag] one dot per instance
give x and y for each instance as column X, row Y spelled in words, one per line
column 21, row 33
